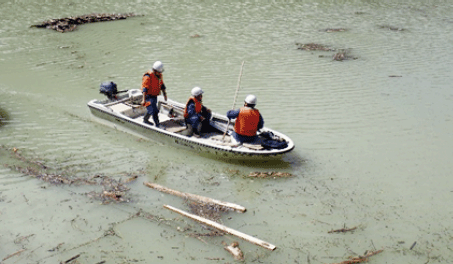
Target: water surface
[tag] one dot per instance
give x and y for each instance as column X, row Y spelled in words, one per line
column 372, row 151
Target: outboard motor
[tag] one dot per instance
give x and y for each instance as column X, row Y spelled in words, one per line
column 110, row 90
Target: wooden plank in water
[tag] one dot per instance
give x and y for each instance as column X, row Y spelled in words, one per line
column 223, row 228
column 196, row 197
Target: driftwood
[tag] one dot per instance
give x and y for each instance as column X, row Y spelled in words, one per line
column 271, row 174
column 313, row 46
column 14, row 254
column 342, row 230
column 115, row 195
column 223, row 228
column 392, row 28
column 234, row 250
column 68, row 24
column 361, row 259
column 330, row 30
column 71, row 259
column 195, row 197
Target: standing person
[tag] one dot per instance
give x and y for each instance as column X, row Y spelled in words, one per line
column 153, row 85
column 248, row 121
column 196, row 115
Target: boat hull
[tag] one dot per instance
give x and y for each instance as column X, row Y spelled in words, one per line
column 135, row 126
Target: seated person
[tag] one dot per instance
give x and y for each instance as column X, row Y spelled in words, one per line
column 248, row 121
column 196, row 115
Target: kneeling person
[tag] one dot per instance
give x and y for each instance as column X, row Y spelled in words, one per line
column 196, row 115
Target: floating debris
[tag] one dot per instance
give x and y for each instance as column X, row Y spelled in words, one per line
column 343, row 230
column 207, row 210
column 330, row 30
column 14, row 254
column 313, row 46
column 69, row 24
column 234, row 250
column 196, row 36
column 113, row 190
column 391, row 28
column 360, row 259
column 271, row 174
column 343, row 55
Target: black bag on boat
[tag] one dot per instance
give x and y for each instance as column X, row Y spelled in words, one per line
column 267, row 135
column 270, row 141
column 273, row 144
column 109, row 89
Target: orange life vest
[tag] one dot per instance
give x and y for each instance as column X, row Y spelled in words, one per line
column 152, row 83
column 198, row 106
column 247, row 121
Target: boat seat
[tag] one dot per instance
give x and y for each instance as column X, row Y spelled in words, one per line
column 128, row 110
column 173, row 125
column 120, row 108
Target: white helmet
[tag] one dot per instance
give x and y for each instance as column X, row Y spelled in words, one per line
column 158, row 66
column 250, row 99
column 196, row 91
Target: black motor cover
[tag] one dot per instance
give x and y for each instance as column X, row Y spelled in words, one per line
column 109, row 89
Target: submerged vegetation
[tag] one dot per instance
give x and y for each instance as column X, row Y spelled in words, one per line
column 3, row 117
column 69, row 24
column 113, row 190
column 341, row 54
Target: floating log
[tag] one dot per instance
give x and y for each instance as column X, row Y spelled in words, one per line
column 235, row 251
column 223, row 228
column 68, row 24
column 342, row 230
column 195, row 197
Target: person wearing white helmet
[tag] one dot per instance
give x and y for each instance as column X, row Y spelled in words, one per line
column 152, row 86
column 248, row 121
column 196, row 115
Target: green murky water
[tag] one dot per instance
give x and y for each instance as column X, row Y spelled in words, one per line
column 372, row 134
